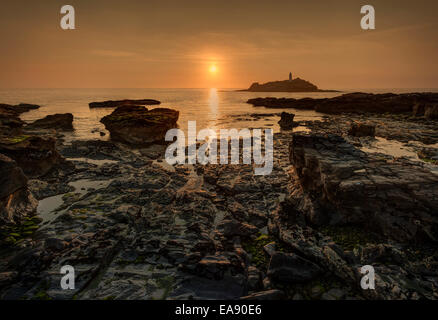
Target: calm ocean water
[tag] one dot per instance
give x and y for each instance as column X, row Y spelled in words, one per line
column 211, row 108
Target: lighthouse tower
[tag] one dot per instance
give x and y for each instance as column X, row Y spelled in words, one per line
column 290, row 76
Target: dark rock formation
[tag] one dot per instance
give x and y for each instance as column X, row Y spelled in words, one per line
column 136, row 125
column 359, row 129
column 305, row 103
column 287, row 121
column 34, row 155
column 368, row 102
column 118, row 103
column 62, row 121
column 16, row 201
column 344, row 186
column 295, row 85
column 9, row 120
column 25, row 107
column 431, row 112
column 428, row 110
column 10, row 123
column 359, row 103
column 291, row 268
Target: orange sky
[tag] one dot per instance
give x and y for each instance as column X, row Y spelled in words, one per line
column 126, row 44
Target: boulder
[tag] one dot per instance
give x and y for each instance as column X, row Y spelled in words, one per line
column 61, row 121
column 138, row 126
column 289, row 267
column 359, row 129
column 16, row 202
column 33, row 154
column 118, row 103
column 287, row 121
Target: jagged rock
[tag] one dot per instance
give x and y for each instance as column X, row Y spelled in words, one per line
column 427, row 109
column 214, row 266
column 62, row 121
column 254, row 279
column 230, row 228
column 34, row 155
column 16, row 201
column 359, row 129
column 11, row 177
column 55, row 244
column 431, row 111
column 289, row 267
column 270, row 248
column 287, row 121
column 343, row 185
column 118, row 103
column 136, row 125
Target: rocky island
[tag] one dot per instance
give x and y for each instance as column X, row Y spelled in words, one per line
column 290, row 85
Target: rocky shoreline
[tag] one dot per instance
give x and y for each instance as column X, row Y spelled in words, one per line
column 136, row 228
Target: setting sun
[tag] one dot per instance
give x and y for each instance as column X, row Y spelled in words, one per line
column 213, row 69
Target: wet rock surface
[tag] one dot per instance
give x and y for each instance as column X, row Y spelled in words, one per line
column 362, row 130
column 136, row 125
column 62, row 121
column 346, row 186
column 135, row 227
column 358, row 103
column 34, row 155
column 118, row 103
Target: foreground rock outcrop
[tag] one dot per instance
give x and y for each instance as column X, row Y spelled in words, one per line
column 342, row 185
column 136, row 125
column 118, row 103
column 34, row 155
column 16, row 202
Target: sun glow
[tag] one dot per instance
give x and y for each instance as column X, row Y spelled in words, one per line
column 213, row 68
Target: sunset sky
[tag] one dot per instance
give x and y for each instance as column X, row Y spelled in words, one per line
column 225, row 44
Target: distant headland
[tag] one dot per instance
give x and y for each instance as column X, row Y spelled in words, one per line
column 290, row 85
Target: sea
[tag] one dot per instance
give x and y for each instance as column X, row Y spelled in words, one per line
column 211, row 108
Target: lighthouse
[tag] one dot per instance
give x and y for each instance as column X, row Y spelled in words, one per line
column 290, row 76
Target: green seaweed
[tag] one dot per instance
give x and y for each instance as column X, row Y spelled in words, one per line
column 255, row 248
column 349, row 237
column 16, row 139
